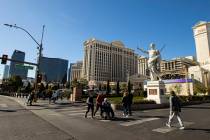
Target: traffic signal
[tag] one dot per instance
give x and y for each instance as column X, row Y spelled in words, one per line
column 39, row 78
column 4, row 59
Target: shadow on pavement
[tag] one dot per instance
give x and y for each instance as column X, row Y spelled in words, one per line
column 196, row 107
column 198, row 129
column 7, row 110
column 145, row 116
column 122, row 119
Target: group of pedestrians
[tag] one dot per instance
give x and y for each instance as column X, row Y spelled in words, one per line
column 52, row 95
column 102, row 103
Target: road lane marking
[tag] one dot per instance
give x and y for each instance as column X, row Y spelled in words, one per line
column 105, row 120
column 54, row 114
column 3, row 105
column 138, row 121
column 75, row 111
column 75, row 114
column 166, row 129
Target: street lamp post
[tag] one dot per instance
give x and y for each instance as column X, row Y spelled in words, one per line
column 40, row 48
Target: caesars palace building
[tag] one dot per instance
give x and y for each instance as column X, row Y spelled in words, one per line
column 105, row 61
column 202, row 42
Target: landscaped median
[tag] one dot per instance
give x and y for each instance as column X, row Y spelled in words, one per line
column 140, row 103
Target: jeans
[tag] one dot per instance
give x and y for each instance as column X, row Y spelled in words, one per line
column 129, row 109
column 90, row 106
column 97, row 107
column 177, row 114
column 125, row 109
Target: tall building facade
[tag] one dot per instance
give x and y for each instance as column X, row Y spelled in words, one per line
column 76, row 70
column 105, row 61
column 202, row 41
column 6, row 72
column 176, row 68
column 54, row 69
column 18, row 71
column 143, row 66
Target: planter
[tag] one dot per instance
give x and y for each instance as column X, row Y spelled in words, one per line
column 154, row 106
column 140, row 106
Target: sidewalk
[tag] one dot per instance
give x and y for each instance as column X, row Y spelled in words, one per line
column 41, row 102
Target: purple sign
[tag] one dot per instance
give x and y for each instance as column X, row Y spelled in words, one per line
column 178, row 81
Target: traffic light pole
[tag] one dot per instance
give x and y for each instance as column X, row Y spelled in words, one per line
column 40, row 48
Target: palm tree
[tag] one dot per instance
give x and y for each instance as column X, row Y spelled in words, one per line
column 107, row 87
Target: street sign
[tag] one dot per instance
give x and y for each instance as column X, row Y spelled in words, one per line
column 24, row 66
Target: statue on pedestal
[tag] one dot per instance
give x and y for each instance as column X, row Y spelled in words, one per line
column 153, row 62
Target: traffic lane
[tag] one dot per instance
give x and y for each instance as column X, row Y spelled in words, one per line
column 21, row 124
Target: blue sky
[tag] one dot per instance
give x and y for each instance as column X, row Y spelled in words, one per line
column 70, row 22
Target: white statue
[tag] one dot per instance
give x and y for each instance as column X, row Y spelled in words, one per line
column 153, row 62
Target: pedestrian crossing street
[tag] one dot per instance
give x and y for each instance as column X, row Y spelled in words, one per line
column 136, row 119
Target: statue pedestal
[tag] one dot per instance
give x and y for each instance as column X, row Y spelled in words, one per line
column 76, row 95
column 156, row 91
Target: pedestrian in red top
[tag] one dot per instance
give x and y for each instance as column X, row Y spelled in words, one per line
column 99, row 100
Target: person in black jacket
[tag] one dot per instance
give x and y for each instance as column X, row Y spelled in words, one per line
column 90, row 105
column 130, row 101
column 175, row 109
column 125, row 101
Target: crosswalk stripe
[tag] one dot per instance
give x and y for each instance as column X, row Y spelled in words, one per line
column 105, row 120
column 138, row 121
column 80, row 114
column 75, row 111
column 74, row 114
column 3, row 105
column 72, row 109
column 54, row 114
column 166, row 129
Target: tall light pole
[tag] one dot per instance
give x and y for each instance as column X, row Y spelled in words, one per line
column 40, row 48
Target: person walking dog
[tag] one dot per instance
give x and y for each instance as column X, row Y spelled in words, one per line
column 175, row 109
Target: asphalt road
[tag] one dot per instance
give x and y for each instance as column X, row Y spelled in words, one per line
column 18, row 123
column 66, row 121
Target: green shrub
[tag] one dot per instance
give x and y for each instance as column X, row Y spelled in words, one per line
column 194, row 98
column 136, row 100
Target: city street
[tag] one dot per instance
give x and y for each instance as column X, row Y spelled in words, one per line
column 65, row 121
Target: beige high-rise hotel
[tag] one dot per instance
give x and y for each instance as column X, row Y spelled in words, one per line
column 105, row 61
column 76, row 70
column 202, row 41
column 143, row 65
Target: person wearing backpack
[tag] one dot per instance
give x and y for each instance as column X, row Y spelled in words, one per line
column 175, row 109
column 90, row 105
